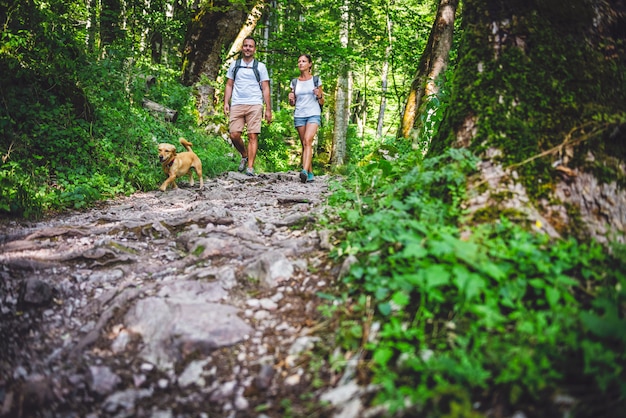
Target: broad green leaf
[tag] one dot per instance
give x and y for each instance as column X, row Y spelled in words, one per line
column 435, row 275
column 414, row 250
column 401, row 299
column 382, row 355
column 552, row 295
column 490, row 316
column 384, row 308
column 468, row 283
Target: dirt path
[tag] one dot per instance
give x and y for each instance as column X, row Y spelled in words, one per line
column 180, row 304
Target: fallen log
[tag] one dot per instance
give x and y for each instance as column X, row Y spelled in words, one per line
column 169, row 115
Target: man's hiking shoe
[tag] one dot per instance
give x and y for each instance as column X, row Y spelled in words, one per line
column 310, row 177
column 250, row 172
column 243, row 163
column 303, row 176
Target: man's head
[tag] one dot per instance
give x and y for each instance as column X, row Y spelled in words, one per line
column 249, row 47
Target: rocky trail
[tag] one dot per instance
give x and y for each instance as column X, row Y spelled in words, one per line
column 188, row 303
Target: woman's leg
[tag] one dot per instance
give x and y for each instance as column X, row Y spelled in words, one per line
column 307, row 134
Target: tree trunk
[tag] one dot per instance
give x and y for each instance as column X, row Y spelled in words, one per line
column 213, row 28
column 383, row 79
column 383, row 94
column 110, row 21
column 433, row 64
column 342, row 98
column 539, row 97
column 92, row 25
column 246, row 30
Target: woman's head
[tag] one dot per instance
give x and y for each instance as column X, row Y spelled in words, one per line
column 305, row 62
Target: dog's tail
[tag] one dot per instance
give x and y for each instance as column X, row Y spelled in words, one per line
column 186, row 144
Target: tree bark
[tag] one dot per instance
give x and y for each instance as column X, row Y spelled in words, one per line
column 433, row 64
column 213, row 28
column 110, row 21
column 538, row 95
column 342, row 98
column 383, row 94
column 92, row 25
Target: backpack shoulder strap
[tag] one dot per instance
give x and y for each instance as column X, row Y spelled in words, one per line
column 255, row 68
column 236, row 69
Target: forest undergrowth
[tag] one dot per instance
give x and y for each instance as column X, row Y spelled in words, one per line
column 458, row 320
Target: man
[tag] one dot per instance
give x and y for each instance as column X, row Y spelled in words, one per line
column 246, row 107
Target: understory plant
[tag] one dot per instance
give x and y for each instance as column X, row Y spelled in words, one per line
column 58, row 153
column 452, row 319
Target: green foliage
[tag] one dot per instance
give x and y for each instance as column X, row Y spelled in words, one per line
column 75, row 133
column 16, row 192
column 274, row 143
column 468, row 312
column 314, row 28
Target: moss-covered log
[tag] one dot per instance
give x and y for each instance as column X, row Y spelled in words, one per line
column 539, row 92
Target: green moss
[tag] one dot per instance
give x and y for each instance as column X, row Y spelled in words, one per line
column 198, row 250
column 575, row 224
column 492, row 213
column 539, row 88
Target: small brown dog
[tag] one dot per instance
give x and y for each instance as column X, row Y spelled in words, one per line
column 177, row 165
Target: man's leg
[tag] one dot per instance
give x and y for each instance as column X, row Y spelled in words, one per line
column 236, row 124
column 253, row 145
column 235, row 138
column 253, row 119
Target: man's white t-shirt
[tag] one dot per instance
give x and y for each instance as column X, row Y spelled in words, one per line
column 246, row 90
column 306, row 101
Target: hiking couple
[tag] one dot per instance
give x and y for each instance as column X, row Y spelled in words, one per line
column 245, row 93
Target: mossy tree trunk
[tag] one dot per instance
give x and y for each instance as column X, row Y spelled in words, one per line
column 213, row 29
column 539, row 93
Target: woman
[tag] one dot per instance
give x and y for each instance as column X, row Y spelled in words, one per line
column 308, row 97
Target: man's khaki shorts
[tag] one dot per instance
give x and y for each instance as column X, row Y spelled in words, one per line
column 249, row 115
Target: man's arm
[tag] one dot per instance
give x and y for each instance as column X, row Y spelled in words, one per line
column 266, row 99
column 228, row 92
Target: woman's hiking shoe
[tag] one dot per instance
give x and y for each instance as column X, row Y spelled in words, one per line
column 303, row 176
column 250, row 171
column 243, row 163
column 310, row 177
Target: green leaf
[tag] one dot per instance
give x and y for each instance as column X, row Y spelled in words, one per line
column 435, row 275
column 384, row 308
column 469, row 284
column 552, row 295
column 414, row 250
column 382, row 355
column 490, row 316
column 401, row 299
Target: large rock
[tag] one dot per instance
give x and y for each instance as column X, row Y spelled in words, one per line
column 172, row 328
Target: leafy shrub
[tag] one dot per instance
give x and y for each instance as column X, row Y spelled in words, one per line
column 470, row 312
column 57, row 157
column 16, row 192
column 279, row 143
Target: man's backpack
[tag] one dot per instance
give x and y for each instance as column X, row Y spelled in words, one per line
column 316, row 83
column 255, row 68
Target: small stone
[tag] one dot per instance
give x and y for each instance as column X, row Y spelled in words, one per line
column 292, row 380
column 241, row 403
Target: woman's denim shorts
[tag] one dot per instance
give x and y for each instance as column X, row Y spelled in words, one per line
column 297, row 122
